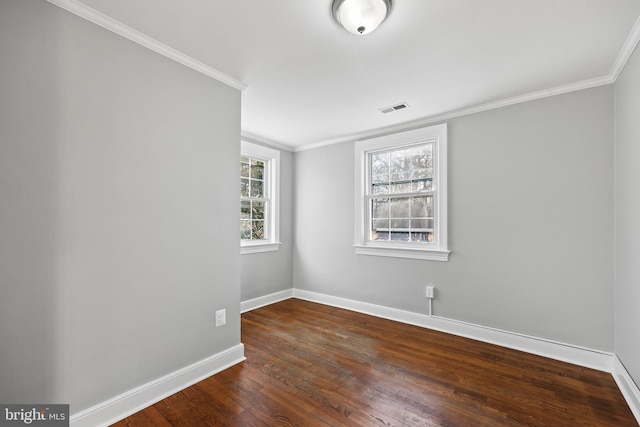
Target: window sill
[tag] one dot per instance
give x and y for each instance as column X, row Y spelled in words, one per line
column 410, row 253
column 255, row 248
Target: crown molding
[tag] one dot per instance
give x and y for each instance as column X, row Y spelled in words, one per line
column 127, row 32
column 626, row 52
column 621, row 60
column 104, row 21
column 559, row 90
column 264, row 141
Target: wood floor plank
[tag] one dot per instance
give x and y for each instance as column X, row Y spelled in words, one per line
column 314, row 365
column 149, row 417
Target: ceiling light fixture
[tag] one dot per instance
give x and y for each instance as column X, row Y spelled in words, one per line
column 360, row 17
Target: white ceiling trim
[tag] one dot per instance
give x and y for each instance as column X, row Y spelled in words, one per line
column 624, row 55
column 263, row 141
column 586, row 84
column 626, row 51
column 123, row 30
column 79, row 9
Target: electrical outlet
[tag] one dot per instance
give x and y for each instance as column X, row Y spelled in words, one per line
column 430, row 291
column 221, row 317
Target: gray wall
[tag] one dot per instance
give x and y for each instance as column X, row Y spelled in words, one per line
column 530, row 224
column 627, row 215
column 266, row 273
column 118, row 211
column 118, row 214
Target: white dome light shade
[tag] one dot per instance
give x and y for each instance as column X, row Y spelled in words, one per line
column 360, row 17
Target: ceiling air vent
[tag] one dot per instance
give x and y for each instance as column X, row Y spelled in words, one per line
column 396, row 107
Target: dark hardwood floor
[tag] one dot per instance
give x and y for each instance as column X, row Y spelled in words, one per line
column 313, row 365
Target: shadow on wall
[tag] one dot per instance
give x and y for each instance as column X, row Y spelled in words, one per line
column 30, row 352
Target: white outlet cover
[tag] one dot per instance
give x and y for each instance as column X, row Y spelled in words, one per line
column 221, row 317
column 430, row 290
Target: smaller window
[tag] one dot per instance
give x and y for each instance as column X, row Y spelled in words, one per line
column 259, row 205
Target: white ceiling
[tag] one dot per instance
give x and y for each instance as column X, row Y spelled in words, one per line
column 309, row 82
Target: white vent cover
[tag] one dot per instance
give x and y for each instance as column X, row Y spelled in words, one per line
column 396, row 107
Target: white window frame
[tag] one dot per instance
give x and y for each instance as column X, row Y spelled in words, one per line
column 271, row 158
column 438, row 250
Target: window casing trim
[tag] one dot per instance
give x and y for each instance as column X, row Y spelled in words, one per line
column 271, row 157
column 439, row 249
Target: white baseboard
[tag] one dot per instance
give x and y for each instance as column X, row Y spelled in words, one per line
column 627, row 386
column 132, row 401
column 252, row 304
column 576, row 355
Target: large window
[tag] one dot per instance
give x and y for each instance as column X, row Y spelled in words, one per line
column 259, row 185
column 401, row 189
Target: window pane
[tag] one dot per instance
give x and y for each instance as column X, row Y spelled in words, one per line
column 399, row 235
column 380, row 189
column 400, row 225
column 380, row 235
column 244, row 167
column 422, row 230
column 422, row 237
column 245, row 230
column 256, row 189
column 380, row 208
column 257, row 169
column 399, row 208
column 257, row 210
column 400, row 165
column 422, row 225
column 380, row 229
column 401, row 186
column 380, row 168
column 380, row 225
column 257, row 231
column 422, row 162
column 399, row 229
column 423, row 184
column 244, row 187
column 422, row 207
column 245, row 209
column 402, row 171
column 402, row 219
